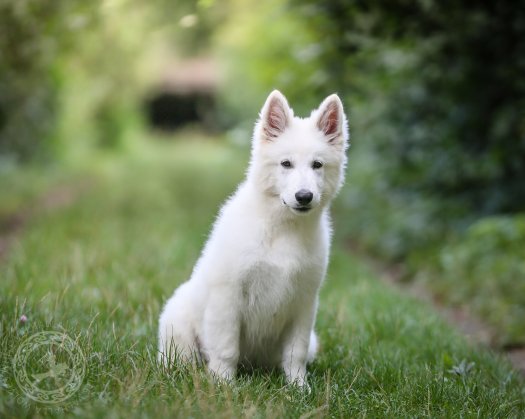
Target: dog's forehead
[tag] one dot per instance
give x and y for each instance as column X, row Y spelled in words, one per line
column 302, row 136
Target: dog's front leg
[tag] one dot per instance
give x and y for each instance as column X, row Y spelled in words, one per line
column 221, row 334
column 295, row 352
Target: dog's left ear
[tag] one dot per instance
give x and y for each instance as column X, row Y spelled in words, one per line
column 331, row 120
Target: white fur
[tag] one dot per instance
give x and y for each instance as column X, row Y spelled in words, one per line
column 252, row 297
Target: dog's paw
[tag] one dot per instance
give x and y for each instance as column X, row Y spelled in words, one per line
column 221, row 372
column 299, row 381
column 301, row 384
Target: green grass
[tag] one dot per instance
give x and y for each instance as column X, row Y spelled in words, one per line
column 101, row 269
column 20, row 188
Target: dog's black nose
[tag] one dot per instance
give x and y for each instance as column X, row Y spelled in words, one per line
column 304, row 196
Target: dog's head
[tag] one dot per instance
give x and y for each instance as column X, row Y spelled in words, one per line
column 300, row 161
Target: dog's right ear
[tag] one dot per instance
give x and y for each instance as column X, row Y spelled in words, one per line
column 275, row 116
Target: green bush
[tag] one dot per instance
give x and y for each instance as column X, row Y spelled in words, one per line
column 451, row 77
column 487, row 267
column 33, row 36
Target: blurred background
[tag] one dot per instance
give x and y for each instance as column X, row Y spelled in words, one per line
column 434, row 91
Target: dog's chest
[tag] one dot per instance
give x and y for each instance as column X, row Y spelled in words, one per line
column 266, row 288
column 268, row 301
column 273, row 286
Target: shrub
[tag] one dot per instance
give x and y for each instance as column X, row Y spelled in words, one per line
column 487, row 267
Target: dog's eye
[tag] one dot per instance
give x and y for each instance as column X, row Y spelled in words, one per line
column 286, row 163
column 317, row 164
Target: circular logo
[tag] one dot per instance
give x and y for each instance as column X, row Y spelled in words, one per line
column 49, row 367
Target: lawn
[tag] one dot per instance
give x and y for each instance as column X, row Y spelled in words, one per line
column 100, row 267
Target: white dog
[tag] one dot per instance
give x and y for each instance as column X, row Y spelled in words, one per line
column 252, row 296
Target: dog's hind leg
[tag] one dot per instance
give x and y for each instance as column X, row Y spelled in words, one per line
column 177, row 336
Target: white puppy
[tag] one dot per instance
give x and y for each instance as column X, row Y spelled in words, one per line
column 252, row 296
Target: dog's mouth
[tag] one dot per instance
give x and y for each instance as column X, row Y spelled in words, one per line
column 303, row 209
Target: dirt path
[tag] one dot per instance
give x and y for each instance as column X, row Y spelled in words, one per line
column 461, row 318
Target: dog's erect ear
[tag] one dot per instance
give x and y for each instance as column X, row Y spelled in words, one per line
column 331, row 120
column 275, row 116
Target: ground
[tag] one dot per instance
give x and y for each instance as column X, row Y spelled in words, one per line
column 98, row 262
